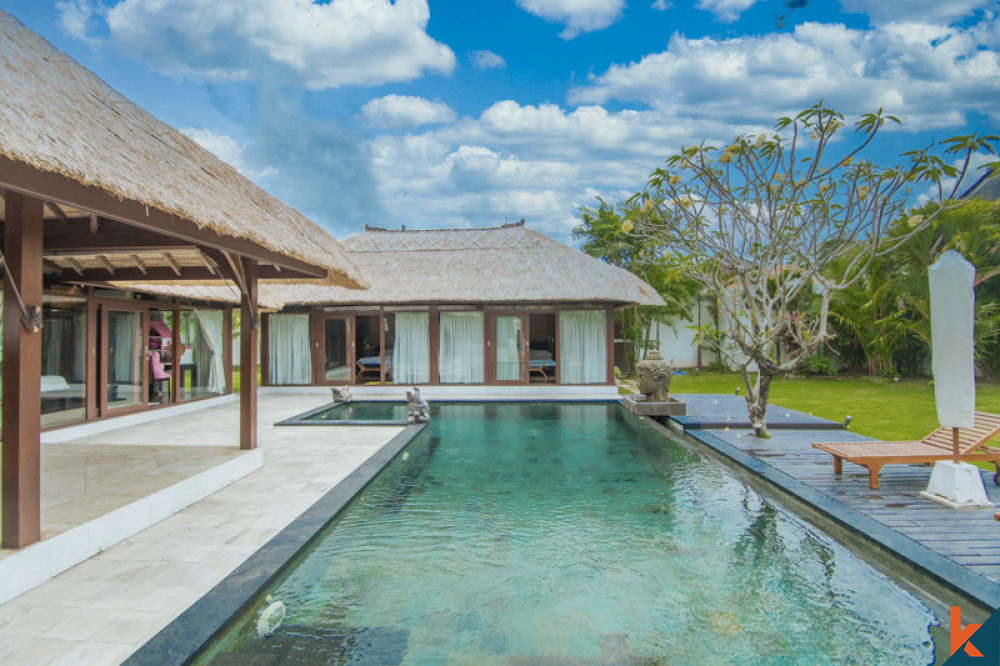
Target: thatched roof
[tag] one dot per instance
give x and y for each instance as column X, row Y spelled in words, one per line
column 57, row 117
column 508, row 264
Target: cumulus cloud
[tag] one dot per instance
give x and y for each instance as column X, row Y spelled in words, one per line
column 487, row 60
column 540, row 162
column 726, row 11
column 579, row 16
column 662, row 5
column 77, row 18
column 898, row 67
column 229, row 150
column 405, row 111
column 344, row 42
column 930, row 11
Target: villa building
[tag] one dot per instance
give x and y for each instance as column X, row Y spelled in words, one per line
column 502, row 305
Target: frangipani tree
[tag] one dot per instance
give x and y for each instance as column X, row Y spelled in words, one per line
column 758, row 223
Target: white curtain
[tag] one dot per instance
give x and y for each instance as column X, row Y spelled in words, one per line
column 210, row 325
column 290, row 360
column 460, row 349
column 411, row 352
column 508, row 348
column 124, row 329
column 583, row 349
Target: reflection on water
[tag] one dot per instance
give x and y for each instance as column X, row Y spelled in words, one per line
column 554, row 533
column 363, row 411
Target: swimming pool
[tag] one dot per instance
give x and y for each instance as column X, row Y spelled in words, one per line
column 358, row 412
column 554, row 532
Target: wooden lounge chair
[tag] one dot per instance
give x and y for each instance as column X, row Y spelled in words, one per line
column 935, row 446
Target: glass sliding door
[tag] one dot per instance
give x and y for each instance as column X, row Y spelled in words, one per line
column 583, row 350
column 124, row 358
column 64, row 368
column 543, row 361
column 337, row 344
column 411, row 348
column 510, row 348
column 461, row 358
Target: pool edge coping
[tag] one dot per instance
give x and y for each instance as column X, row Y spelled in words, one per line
column 188, row 634
column 951, row 575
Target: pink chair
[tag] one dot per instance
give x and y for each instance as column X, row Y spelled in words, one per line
column 161, row 375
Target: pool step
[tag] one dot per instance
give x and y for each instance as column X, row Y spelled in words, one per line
column 312, row 645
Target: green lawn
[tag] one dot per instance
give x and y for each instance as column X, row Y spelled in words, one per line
column 879, row 409
column 236, row 378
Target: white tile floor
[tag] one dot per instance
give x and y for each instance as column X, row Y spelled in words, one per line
column 103, row 609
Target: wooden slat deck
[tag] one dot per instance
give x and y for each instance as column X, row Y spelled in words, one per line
column 970, row 537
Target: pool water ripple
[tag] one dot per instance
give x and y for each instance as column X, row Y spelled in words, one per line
column 573, row 533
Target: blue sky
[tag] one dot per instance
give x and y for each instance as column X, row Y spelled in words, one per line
column 451, row 113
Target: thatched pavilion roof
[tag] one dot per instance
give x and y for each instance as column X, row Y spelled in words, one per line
column 507, row 264
column 59, row 119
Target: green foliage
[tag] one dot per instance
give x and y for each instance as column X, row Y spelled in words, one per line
column 604, row 232
column 820, row 365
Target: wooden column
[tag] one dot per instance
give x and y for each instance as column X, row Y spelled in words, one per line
column 92, row 379
column 22, row 372
column 248, row 357
column 227, row 350
column 609, row 314
column 381, row 344
column 435, row 331
column 265, row 350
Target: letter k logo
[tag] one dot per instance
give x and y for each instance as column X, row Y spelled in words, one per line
column 959, row 635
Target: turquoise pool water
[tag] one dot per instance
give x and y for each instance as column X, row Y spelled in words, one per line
column 362, row 411
column 559, row 533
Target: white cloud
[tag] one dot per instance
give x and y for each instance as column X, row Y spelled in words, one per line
column 405, row 111
column 931, row 11
column 579, row 16
column 898, row 66
column 344, row 42
column 662, row 5
column 487, row 60
column 726, row 10
column 539, row 162
column 229, row 150
column 76, row 18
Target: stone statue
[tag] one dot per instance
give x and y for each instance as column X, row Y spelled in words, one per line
column 654, row 377
column 417, row 409
column 341, row 394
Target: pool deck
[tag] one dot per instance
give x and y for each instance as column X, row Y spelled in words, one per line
column 959, row 546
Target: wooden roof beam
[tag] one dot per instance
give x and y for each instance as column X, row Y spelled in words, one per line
column 139, row 264
column 159, row 274
column 107, row 263
column 57, row 211
column 173, row 263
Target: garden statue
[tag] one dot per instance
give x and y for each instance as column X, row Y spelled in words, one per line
column 654, row 377
column 418, row 411
column 341, row 394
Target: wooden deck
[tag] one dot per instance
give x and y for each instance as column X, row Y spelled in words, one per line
column 969, row 537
